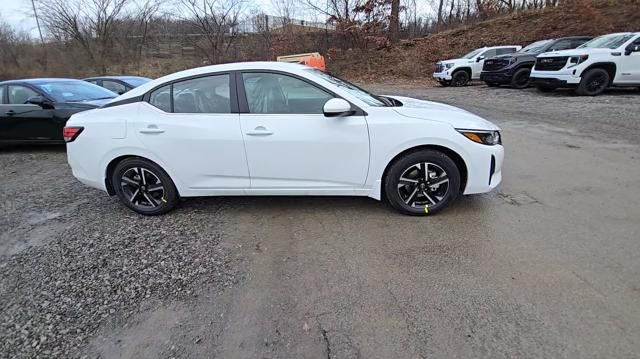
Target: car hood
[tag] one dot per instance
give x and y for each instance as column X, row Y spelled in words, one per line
column 456, row 61
column 577, row 52
column 87, row 104
column 434, row 111
column 518, row 56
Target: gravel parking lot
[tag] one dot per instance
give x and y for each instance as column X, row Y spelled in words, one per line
column 547, row 266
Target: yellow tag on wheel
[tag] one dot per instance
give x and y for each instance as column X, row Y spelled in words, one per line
column 426, row 210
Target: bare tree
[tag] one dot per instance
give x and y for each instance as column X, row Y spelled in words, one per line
column 215, row 21
column 89, row 23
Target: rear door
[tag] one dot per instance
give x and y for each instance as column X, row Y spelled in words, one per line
column 193, row 126
column 21, row 121
column 292, row 147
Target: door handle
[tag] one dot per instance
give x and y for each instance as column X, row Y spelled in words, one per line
column 151, row 129
column 259, row 131
column 10, row 113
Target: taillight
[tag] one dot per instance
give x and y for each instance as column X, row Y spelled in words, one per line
column 71, row 133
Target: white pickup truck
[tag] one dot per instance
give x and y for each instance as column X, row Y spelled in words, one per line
column 458, row 72
column 608, row 60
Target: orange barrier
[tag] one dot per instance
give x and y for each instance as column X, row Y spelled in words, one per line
column 312, row 59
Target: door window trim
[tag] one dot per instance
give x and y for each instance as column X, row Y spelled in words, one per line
column 243, row 104
column 233, row 97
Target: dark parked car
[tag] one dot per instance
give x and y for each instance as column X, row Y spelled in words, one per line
column 36, row 110
column 514, row 69
column 118, row 84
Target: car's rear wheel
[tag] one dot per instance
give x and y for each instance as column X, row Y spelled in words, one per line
column 520, row 78
column 593, row 82
column 144, row 187
column 422, row 183
column 445, row 83
column 460, row 78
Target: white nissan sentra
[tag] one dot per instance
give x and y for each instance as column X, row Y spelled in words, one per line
column 268, row 128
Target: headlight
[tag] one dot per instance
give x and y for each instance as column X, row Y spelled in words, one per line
column 513, row 60
column 577, row 60
column 490, row 138
column 448, row 66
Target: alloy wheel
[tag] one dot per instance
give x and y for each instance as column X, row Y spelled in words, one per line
column 597, row 83
column 423, row 184
column 142, row 188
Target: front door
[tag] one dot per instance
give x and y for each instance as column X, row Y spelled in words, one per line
column 629, row 65
column 191, row 126
column 292, row 146
column 21, row 121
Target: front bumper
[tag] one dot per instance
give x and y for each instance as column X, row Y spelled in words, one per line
column 557, row 78
column 502, row 77
column 442, row 76
column 484, row 167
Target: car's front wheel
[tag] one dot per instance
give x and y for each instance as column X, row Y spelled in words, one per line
column 144, row 187
column 460, row 78
column 593, row 82
column 422, row 183
column 520, row 78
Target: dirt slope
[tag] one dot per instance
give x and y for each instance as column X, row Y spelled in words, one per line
column 415, row 59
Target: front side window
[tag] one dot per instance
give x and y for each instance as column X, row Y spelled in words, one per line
column 20, row 94
column 114, row 86
column 607, row 42
column 535, row 48
column 561, row 45
column 352, row 89
column 209, row 94
column 271, row 93
column 472, row 54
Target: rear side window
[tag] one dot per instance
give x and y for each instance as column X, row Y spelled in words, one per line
column 489, row 53
column 209, row 94
column 161, row 98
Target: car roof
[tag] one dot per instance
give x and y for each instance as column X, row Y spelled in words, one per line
column 36, row 81
column 235, row 66
column 123, row 77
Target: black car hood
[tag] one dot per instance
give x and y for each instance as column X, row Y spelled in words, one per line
column 525, row 56
column 86, row 104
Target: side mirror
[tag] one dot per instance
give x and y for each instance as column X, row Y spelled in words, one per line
column 40, row 101
column 336, row 107
column 480, row 58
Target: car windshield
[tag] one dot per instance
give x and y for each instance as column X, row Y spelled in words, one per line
column 536, row 47
column 472, row 54
column 607, row 42
column 74, row 91
column 137, row 81
column 354, row 90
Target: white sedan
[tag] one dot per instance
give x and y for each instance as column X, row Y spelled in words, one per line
column 267, row 128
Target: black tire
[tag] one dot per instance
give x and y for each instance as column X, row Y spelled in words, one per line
column 417, row 198
column 492, row 84
column 546, row 88
column 520, row 78
column 593, row 82
column 445, row 83
column 144, row 196
column 460, row 78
